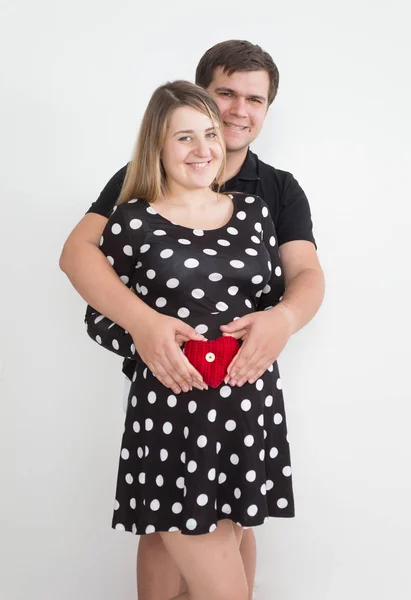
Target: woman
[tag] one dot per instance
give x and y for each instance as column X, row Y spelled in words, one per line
column 199, row 467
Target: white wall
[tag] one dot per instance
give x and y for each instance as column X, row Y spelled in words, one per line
column 76, row 77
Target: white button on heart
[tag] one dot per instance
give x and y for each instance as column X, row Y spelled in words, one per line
column 210, row 357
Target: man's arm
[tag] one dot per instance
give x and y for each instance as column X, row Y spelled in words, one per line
column 304, row 283
column 303, row 276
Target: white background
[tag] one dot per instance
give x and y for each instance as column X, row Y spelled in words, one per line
column 76, row 77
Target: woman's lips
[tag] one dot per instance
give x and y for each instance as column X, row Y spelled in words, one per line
column 199, row 165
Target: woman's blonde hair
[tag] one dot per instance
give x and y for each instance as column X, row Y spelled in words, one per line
column 145, row 176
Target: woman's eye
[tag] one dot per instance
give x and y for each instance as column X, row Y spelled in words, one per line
column 184, row 139
column 211, row 135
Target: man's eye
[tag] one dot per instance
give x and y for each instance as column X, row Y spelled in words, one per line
column 225, row 94
column 255, row 100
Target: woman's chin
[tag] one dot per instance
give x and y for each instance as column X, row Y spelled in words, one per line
column 200, row 182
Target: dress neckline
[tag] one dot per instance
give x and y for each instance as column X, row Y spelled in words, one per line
column 152, row 210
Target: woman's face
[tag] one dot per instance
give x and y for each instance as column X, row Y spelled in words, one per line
column 192, row 153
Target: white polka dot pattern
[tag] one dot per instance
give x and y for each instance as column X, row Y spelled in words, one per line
column 188, row 460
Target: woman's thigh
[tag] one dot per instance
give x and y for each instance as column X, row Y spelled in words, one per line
column 157, row 573
column 211, row 564
column 238, row 531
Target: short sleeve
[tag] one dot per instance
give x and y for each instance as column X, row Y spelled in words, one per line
column 109, row 195
column 294, row 218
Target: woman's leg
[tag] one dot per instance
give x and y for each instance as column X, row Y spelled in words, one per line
column 248, row 554
column 238, row 533
column 158, row 577
column 246, row 539
column 211, row 564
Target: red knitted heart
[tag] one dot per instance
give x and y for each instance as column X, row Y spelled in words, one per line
column 211, row 358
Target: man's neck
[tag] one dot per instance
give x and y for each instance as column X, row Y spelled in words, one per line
column 234, row 163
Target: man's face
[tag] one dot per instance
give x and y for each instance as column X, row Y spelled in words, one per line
column 243, row 102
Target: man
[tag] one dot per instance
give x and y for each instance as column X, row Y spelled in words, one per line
column 243, row 80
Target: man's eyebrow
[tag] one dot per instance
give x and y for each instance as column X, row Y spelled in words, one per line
column 192, row 131
column 226, row 89
column 222, row 88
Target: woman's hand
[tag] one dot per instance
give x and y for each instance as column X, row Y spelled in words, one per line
column 157, row 339
column 264, row 336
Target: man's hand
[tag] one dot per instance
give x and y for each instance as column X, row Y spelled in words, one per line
column 157, row 339
column 264, row 336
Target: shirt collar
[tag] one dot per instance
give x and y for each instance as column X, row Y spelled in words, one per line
column 249, row 169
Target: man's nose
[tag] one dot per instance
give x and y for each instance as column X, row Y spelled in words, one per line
column 238, row 107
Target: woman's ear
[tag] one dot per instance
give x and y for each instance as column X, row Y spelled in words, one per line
column 162, row 170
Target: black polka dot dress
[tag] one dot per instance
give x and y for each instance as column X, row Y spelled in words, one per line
column 191, row 459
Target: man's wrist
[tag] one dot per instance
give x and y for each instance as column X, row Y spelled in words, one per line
column 287, row 316
column 137, row 313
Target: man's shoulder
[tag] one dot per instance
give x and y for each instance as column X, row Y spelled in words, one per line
column 117, row 180
column 120, row 175
column 109, row 194
column 269, row 173
column 278, row 187
column 287, row 202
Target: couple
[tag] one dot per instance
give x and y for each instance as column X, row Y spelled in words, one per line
column 200, row 466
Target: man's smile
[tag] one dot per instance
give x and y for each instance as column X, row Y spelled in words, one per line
column 236, row 127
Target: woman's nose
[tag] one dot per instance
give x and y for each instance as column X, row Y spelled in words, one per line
column 201, row 148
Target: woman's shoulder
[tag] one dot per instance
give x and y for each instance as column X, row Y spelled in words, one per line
column 248, row 202
column 133, row 207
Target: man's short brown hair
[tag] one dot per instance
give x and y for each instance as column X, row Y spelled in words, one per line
column 237, row 55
